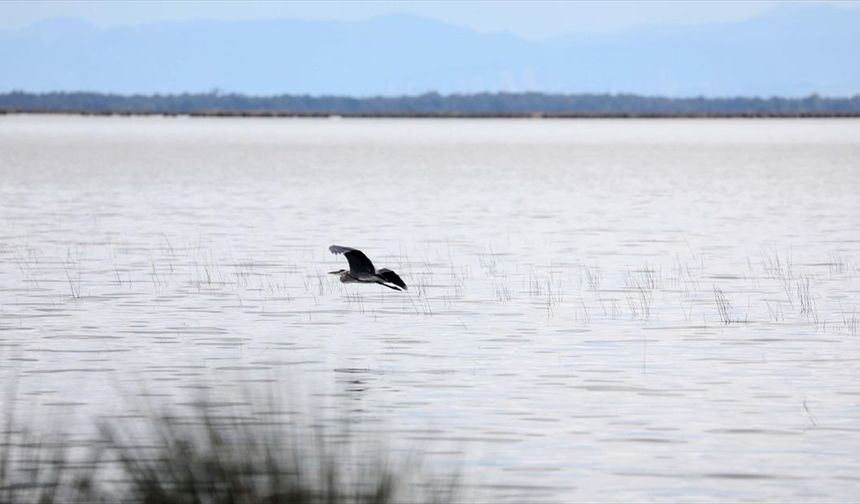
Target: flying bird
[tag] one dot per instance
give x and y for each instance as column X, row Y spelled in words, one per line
column 361, row 270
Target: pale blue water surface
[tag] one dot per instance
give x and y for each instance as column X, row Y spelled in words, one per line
column 648, row 310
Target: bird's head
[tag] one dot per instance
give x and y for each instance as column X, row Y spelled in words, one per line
column 338, row 272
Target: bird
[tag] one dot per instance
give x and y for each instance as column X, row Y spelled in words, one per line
column 361, row 270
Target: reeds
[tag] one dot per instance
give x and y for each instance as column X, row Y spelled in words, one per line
column 211, row 458
column 724, row 307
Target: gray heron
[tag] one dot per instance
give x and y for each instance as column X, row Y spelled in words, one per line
column 361, row 270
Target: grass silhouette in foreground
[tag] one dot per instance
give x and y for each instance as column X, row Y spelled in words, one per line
column 206, row 458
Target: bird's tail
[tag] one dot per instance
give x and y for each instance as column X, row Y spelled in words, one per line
column 385, row 284
column 392, row 278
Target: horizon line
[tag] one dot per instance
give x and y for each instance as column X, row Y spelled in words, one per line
column 219, row 93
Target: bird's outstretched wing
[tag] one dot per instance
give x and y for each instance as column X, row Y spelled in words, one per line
column 391, row 277
column 358, row 262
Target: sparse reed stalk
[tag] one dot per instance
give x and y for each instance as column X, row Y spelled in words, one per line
column 805, row 299
column 849, row 322
column 724, row 307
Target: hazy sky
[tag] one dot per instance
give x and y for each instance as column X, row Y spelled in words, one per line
column 719, row 48
column 534, row 19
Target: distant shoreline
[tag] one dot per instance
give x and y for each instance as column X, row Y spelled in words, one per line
column 429, row 105
column 372, row 115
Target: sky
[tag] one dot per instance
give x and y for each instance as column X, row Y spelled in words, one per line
column 369, row 48
column 533, row 20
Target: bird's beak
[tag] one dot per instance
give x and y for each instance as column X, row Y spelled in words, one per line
column 334, row 272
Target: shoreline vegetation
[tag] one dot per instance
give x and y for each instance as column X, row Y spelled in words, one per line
column 211, row 456
column 428, row 105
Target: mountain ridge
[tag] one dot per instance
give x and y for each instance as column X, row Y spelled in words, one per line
column 792, row 52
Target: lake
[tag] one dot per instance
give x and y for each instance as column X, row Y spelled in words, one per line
column 660, row 310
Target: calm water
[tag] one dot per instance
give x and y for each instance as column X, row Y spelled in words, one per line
column 601, row 309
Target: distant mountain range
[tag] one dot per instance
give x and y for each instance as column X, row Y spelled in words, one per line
column 790, row 51
column 430, row 104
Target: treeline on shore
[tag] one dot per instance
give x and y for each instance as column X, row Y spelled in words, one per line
column 428, row 104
